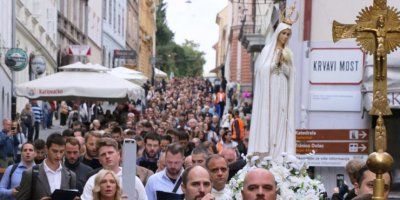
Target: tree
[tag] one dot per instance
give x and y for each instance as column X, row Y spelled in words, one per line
column 183, row 60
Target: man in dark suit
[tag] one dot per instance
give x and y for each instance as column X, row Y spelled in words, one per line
column 39, row 182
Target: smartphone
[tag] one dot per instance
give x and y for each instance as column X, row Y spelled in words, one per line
column 339, row 180
column 129, row 168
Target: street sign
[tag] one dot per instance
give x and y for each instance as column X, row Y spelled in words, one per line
column 332, row 147
column 330, row 160
column 16, row 59
column 125, row 54
column 330, row 134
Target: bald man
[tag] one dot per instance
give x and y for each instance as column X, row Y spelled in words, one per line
column 196, row 183
column 259, row 184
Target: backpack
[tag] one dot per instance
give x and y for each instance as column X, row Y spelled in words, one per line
column 75, row 116
column 26, row 118
column 13, row 168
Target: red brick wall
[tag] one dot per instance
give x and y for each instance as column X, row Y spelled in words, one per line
column 245, row 72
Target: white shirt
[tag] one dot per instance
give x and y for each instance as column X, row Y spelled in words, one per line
column 88, row 189
column 160, row 182
column 54, row 177
column 224, row 194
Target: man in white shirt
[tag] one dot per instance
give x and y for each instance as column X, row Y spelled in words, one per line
column 218, row 168
column 166, row 183
column 42, row 180
column 109, row 158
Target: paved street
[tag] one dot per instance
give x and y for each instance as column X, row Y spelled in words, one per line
column 46, row 132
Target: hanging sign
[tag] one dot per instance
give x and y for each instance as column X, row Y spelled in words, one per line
column 16, row 59
column 38, row 65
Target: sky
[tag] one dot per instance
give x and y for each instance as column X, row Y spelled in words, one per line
column 196, row 21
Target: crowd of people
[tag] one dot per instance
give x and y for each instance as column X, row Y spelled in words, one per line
column 190, row 142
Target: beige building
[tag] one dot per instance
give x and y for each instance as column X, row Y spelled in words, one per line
column 95, row 28
column 132, row 31
column 72, row 29
column 147, row 27
column 35, row 34
column 221, row 46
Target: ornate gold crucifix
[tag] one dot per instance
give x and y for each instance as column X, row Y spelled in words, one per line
column 377, row 31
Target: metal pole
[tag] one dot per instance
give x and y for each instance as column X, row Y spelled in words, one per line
column 13, row 41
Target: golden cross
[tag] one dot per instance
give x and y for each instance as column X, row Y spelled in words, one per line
column 377, row 31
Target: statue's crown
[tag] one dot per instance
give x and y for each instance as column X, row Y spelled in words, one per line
column 287, row 14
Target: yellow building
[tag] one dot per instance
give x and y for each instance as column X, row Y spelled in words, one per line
column 221, row 46
column 147, row 32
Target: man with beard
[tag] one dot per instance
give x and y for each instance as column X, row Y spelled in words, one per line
column 72, row 162
column 40, row 151
column 165, row 184
column 90, row 158
column 259, row 184
column 151, row 152
column 218, row 168
column 13, row 174
column 196, row 183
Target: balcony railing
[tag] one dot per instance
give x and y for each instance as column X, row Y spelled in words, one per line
column 252, row 32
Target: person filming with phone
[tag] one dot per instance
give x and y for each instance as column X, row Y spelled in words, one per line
column 8, row 142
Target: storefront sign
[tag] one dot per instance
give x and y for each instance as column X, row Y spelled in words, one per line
column 335, row 101
column 16, row 59
column 125, row 54
column 336, row 66
column 330, row 160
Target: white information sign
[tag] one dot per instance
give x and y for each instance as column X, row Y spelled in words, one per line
column 329, row 160
column 336, row 66
column 335, row 101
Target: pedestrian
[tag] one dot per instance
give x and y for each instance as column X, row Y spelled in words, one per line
column 107, row 186
column 37, row 110
column 12, row 176
column 27, row 119
column 259, row 184
column 42, row 180
column 8, row 142
column 21, row 140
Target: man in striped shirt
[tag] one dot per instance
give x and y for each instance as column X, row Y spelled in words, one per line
column 37, row 111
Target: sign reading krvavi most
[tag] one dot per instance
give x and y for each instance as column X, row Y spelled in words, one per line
column 332, row 147
column 16, row 59
column 336, row 66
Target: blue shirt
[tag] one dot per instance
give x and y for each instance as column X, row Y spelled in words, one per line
column 7, row 144
column 160, row 182
column 6, row 186
column 37, row 111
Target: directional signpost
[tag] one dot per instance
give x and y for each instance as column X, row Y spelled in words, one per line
column 332, row 147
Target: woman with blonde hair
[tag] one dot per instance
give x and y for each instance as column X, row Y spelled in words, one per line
column 107, row 186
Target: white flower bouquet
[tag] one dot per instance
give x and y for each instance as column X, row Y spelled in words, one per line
column 290, row 174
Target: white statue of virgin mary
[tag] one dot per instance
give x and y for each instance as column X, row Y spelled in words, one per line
column 272, row 122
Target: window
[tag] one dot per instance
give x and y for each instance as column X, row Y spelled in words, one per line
column 119, row 23
column 104, row 9
column 115, row 15
column 109, row 11
column 123, row 23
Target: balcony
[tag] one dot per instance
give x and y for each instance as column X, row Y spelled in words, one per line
column 252, row 32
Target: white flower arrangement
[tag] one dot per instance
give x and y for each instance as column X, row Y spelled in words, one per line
column 290, row 174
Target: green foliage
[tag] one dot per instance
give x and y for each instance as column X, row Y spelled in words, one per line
column 183, row 60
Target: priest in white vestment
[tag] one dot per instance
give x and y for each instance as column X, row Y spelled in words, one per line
column 272, row 124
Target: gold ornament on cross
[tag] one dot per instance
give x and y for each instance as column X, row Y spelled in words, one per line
column 377, row 31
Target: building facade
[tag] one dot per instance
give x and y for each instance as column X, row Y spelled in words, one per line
column 36, row 23
column 132, row 32
column 72, row 29
column 147, row 27
column 95, row 31
column 114, row 31
column 5, row 43
column 221, row 45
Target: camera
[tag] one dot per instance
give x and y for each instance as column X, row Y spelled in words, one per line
column 13, row 128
